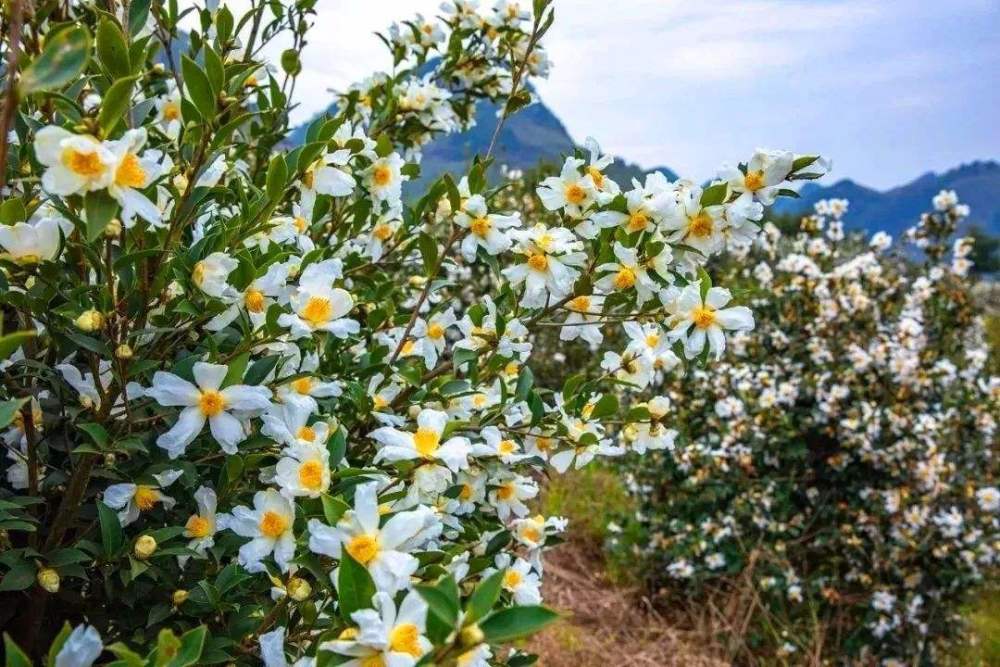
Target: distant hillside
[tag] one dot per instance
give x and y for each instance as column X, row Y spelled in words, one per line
column 977, row 184
column 532, row 136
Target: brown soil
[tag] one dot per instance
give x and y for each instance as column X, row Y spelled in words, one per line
column 606, row 624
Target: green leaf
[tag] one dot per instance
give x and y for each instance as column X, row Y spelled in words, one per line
column 138, row 13
column 454, row 196
column 384, row 146
column 608, row 405
column 428, row 252
column 215, row 70
column 15, row 656
column 260, row 369
column 12, row 211
column 8, row 410
column 484, row 597
column 237, row 367
column 96, row 432
column 19, row 577
column 112, row 49
column 61, row 61
column 57, row 644
column 192, row 643
column 277, row 175
column 112, row 535
column 12, row 341
column 168, row 646
column 715, row 194
column 126, row 656
column 115, row 103
column 333, row 509
column 514, row 622
column 100, row 209
column 199, row 90
column 355, row 586
column 442, row 607
column 525, row 380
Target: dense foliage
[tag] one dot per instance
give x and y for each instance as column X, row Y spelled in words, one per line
column 842, row 463
column 259, row 407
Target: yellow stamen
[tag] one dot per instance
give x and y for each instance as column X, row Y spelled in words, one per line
column 318, row 310
column 273, row 525
column 575, row 194
column 303, row 385
column 625, row 278
column 306, row 433
column 211, row 402
column 84, row 164
column 539, row 262
column 701, row 225
column 198, row 526
column 381, row 175
column 363, row 548
column 254, row 300
column 146, row 497
column 405, row 638
column 754, row 180
column 703, row 317
column 130, row 173
column 426, row 441
column 481, row 227
column 311, row 475
column 512, row 579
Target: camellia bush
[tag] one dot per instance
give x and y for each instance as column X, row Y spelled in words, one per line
column 260, row 405
column 835, row 479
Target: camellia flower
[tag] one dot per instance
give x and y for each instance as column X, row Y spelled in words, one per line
column 200, row 528
column 76, row 162
column 551, row 254
column 384, row 179
column 132, row 499
column 326, row 176
column 211, row 275
column 272, row 650
column 696, row 320
column 303, row 470
column 583, row 309
column 81, row 649
column 763, row 176
column 519, row 580
column 29, row 243
column 206, row 402
column 318, row 306
column 255, row 299
column 383, row 550
column 427, row 339
column 570, row 190
column 384, row 635
column 424, row 444
column 486, row 230
column 132, row 174
column 269, row 525
column 626, row 273
column 700, row 227
column 509, row 493
column 168, row 110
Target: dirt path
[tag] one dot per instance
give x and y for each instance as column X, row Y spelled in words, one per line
column 603, row 621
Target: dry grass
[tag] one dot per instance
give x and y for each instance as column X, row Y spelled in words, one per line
column 603, row 618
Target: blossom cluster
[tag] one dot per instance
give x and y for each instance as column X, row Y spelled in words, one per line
column 273, row 400
column 843, row 460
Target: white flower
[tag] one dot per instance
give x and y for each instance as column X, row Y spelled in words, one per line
column 763, row 177
column 625, row 274
column 206, row 402
column 303, row 470
column 583, row 309
column 289, row 424
column 505, row 449
column 694, row 225
column 988, row 499
column 255, row 299
column 385, row 181
column 82, row 648
column 132, row 174
column 383, row 550
column 486, row 230
column 33, row 242
column 385, row 637
column 168, row 110
column 318, row 306
column 76, row 162
column 201, row 527
column 211, row 275
column 131, row 499
column 547, row 272
column 269, row 525
column 509, row 493
column 570, row 190
column 272, row 650
column 696, row 320
column 427, row 338
column 424, row 444
column 519, row 580
column 326, row 176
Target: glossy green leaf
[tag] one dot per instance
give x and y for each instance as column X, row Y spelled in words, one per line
column 62, row 60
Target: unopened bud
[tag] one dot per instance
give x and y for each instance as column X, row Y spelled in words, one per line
column 113, row 229
column 109, row 459
column 159, row 68
column 180, row 182
column 145, row 547
column 179, row 597
column 124, row 351
column 48, row 579
column 90, row 320
column 298, row 589
column 472, row 635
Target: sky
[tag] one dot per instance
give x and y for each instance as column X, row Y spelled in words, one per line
column 887, row 89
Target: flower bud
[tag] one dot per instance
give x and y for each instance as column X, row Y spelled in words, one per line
column 472, row 635
column 179, row 597
column 90, row 320
column 145, row 547
column 298, row 589
column 180, row 182
column 109, row 459
column 48, row 579
column 124, row 351
column 113, row 229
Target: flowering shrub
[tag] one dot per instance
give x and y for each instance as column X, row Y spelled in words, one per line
column 842, row 462
column 257, row 406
